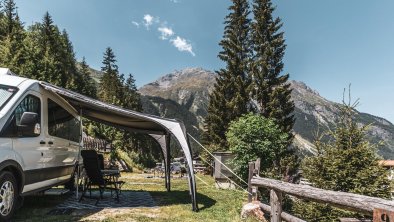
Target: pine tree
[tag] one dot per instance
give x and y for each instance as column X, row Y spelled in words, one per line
column 10, row 14
column 269, row 88
column 46, row 52
column 3, row 28
column 230, row 98
column 132, row 97
column 141, row 146
column 110, row 91
column 72, row 78
column 114, row 89
column 34, row 54
column 89, row 87
column 12, row 50
column 347, row 163
column 50, row 57
column 110, row 87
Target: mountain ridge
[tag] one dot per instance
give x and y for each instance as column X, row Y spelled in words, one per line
column 185, row 94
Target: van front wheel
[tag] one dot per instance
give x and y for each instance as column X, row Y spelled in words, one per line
column 8, row 194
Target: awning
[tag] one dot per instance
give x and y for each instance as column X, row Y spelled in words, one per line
column 159, row 128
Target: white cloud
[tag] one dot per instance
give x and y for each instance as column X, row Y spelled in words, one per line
column 165, row 32
column 136, row 24
column 174, row 1
column 182, row 45
column 149, row 20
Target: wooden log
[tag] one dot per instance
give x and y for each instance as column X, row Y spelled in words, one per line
column 251, row 170
column 276, row 205
column 354, row 220
column 348, row 201
column 285, row 216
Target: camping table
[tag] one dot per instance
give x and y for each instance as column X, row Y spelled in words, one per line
column 111, row 172
column 114, row 176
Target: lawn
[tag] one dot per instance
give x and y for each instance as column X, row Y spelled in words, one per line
column 214, row 204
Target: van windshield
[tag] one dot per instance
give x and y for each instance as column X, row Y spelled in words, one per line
column 6, row 92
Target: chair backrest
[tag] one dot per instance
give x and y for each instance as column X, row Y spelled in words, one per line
column 92, row 167
column 101, row 161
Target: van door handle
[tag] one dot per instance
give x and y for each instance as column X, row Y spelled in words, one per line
column 50, row 142
column 42, row 142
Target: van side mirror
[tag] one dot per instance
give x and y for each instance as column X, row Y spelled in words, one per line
column 28, row 119
column 29, row 124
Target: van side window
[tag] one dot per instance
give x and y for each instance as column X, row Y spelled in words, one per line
column 61, row 123
column 13, row 128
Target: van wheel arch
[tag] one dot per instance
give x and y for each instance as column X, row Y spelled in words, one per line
column 72, row 184
column 14, row 168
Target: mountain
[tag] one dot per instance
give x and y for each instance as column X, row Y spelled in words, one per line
column 94, row 74
column 189, row 88
column 315, row 114
column 184, row 95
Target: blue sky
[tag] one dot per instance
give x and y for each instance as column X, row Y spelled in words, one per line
column 330, row 43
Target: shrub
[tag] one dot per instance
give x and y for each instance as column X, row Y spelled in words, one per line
column 254, row 136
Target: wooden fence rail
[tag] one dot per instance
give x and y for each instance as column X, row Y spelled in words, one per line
column 377, row 207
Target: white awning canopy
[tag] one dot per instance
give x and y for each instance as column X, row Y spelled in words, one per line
column 159, row 128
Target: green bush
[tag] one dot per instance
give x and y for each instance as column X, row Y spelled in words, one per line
column 254, row 136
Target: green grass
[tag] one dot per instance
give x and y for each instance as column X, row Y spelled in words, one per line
column 214, row 204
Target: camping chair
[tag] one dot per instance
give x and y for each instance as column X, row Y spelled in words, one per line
column 101, row 161
column 95, row 177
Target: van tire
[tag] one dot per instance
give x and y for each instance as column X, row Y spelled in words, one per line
column 70, row 185
column 9, row 192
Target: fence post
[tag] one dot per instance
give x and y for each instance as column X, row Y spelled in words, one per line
column 251, row 171
column 257, row 166
column 276, row 205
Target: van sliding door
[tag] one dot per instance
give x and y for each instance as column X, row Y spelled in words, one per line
column 63, row 134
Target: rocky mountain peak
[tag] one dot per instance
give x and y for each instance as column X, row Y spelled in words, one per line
column 302, row 88
column 180, row 76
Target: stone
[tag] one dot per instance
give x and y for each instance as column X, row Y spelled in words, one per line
column 253, row 210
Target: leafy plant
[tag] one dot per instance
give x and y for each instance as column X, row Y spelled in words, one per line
column 254, row 136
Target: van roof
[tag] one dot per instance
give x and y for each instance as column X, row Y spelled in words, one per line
column 7, row 78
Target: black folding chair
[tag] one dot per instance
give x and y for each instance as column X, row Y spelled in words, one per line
column 95, row 176
column 101, row 161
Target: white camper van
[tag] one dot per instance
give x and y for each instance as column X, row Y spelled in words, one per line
column 40, row 137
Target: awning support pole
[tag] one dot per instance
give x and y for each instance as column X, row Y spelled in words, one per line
column 168, row 163
column 79, row 154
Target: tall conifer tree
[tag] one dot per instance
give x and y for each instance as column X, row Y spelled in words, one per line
column 347, row 163
column 12, row 50
column 230, row 98
column 110, row 88
column 110, row 91
column 132, row 97
column 9, row 10
column 89, row 88
column 47, row 52
column 68, row 63
column 269, row 87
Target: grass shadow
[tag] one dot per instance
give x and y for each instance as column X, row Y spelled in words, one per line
column 164, row 198
column 36, row 208
column 41, row 208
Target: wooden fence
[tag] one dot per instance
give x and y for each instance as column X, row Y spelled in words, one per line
column 99, row 145
column 382, row 210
